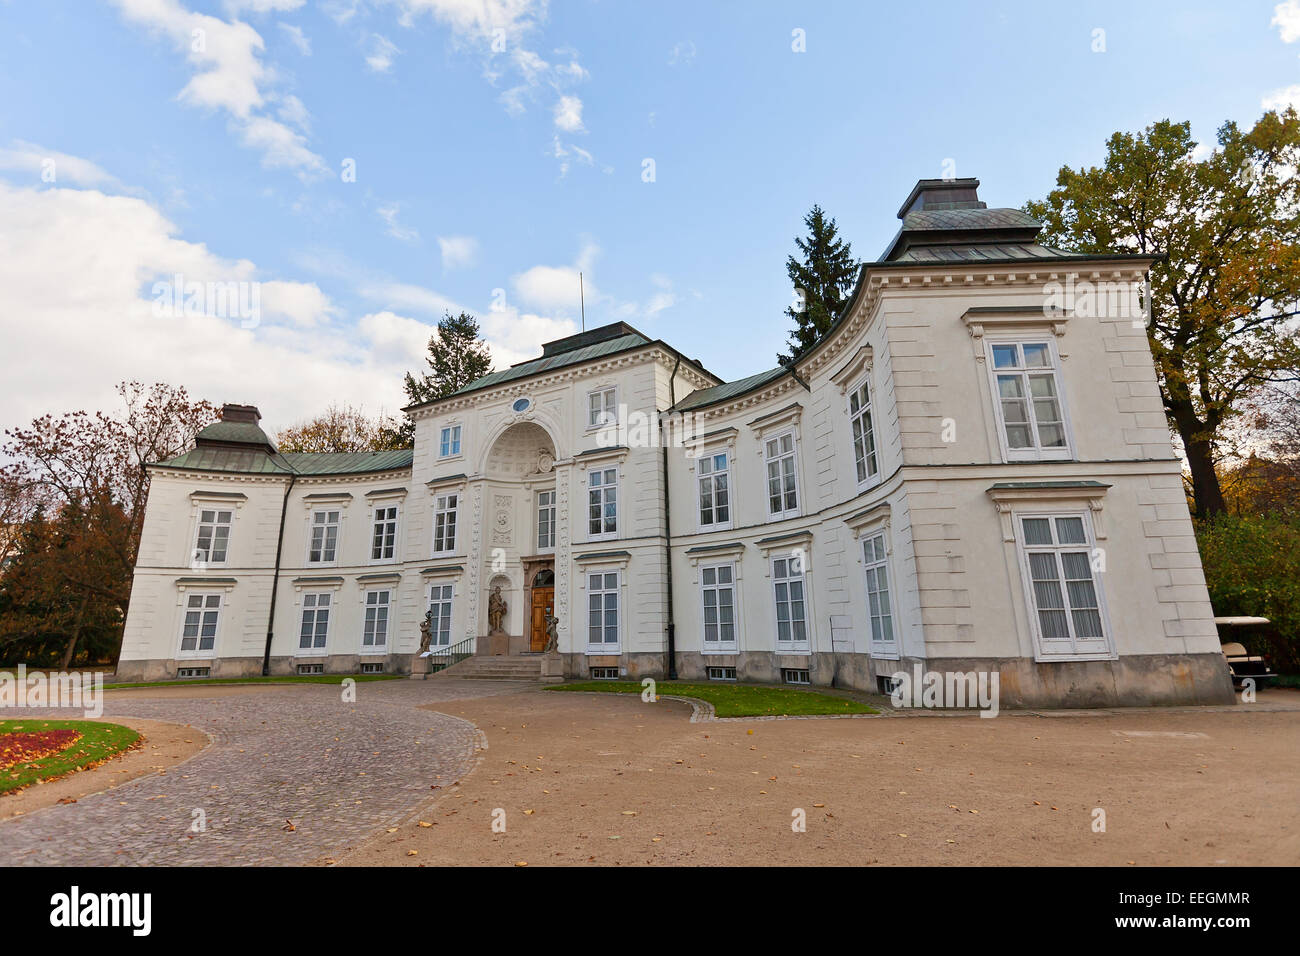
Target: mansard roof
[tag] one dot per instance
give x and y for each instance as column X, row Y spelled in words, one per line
column 236, row 444
column 587, row 346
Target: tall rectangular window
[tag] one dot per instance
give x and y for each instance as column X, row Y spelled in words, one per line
column 546, row 521
column 440, row 605
column 383, row 544
column 213, row 538
column 449, row 442
column 444, row 523
column 782, row 484
column 602, row 502
column 788, row 588
column 879, row 607
column 315, row 622
column 715, row 495
column 718, row 600
column 602, row 407
column 324, row 537
column 1057, row 557
column 375, row 632
column 602, row 608
column 864, row 436
column 199, row 630
column 1028, row 395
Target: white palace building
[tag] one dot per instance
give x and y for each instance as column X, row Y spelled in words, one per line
column 970, row 471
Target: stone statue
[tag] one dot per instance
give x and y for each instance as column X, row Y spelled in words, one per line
column 552, row 635
column 497, row 608
column 426, row 631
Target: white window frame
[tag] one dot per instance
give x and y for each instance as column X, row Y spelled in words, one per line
column 873, row 564
column 604, row 647
column 711, row 477
column 792, row 645
column 199, row 653
column 446, row 507
column 444, row 604
column 550, row 510
column 452, row 437
column 1037, row 452
column 337, row 525
column 793, row 456
column 602, row 492
column 607, row 413
column 1074, row 648
column 719, row 646
column 870, row 455
column 315, row 609
column 376, row 647
column 384, row 505
column 215, row 523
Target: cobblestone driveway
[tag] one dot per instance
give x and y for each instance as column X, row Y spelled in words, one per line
column 339, row 772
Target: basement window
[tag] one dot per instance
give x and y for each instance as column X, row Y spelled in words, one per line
column 372, row 668
column 604, row 673
column 886, row 685
column 194, row 672
column 794, row 675
column 722, row 673
column 311, row 668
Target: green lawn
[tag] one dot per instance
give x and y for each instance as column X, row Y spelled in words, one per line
column 737, row 700
column 287, row 679
column 98, row 742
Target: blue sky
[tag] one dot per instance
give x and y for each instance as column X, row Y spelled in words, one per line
column 499, row 147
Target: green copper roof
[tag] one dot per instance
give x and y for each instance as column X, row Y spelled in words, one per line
column 549, row 363
column 248, row 461
column 720, row 393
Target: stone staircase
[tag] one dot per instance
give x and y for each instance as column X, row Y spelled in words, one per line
column 501, row 667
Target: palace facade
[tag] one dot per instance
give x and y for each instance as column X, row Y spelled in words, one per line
column 970, row 471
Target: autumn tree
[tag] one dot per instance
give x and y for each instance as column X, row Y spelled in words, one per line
column 1224, row 292
column 822, row 279
column 342, row 428
column 86, row 472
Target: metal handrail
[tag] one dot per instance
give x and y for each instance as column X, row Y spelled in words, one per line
column 444, row 657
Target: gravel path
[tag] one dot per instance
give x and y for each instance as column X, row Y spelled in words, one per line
column 339, row 772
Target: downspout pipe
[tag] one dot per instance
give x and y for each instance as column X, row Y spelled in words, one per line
column 668, row 526
column 275, row 581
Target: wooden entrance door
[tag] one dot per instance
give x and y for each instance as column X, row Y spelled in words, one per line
column 543, row 607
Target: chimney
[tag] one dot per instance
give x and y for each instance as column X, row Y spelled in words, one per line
column 943, row 194
column 240, row 413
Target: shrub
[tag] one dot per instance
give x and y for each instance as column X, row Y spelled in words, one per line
column 1252, row 567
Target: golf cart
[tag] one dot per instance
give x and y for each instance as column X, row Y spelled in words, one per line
column 1241, row 663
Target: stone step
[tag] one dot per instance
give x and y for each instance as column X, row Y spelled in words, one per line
column 497, row 668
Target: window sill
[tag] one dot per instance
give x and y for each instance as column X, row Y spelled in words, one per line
column 728, row 650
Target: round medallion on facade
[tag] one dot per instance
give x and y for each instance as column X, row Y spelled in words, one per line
column 522, row 404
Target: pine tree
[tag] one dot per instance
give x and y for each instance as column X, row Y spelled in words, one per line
column 822, row 280
column 457, row 356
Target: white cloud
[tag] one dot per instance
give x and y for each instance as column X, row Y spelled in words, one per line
column 383, row 52
column 1286, row 17
column 665, row 298
column 44, row 163
column 236, row 7
column 568, row 114
column 229, row 75
column 297, row 38
column 682, row 52
column 1281, row 99
column 294, row 113
column 78, row 268
column 458, row 252
column 388, row 213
